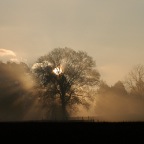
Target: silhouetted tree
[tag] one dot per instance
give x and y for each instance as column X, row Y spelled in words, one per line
column 135, row 81
column 65, row 76
column 103, row 87
column 119, row 88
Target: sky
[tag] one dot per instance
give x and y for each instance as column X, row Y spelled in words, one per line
column 111, row 31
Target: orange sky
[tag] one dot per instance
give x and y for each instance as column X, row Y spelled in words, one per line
column 111, row 31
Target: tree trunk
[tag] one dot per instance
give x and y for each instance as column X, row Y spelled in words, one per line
column 62, row 82
column 64, row 111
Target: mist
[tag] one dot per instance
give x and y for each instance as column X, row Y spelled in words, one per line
column 119, row 108
column 114, row 104
column 18, row 101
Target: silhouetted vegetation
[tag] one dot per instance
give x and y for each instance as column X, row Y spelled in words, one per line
column 60, row 82
column 65, row 76
column 135, row 81
column 124, row 101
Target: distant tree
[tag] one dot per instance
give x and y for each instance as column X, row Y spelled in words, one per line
column 103, row 87
column 119, row 88
column 65, row 75
column 135, row 81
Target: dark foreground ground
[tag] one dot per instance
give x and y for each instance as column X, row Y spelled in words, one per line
column 71, row 130
column 73, row 124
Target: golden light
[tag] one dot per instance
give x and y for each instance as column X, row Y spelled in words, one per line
column 57, row 70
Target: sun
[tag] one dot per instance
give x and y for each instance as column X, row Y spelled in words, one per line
column 57, row 70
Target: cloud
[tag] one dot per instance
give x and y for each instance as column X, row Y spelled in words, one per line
column 8, row 55
column 5, row 52
column 14, row 60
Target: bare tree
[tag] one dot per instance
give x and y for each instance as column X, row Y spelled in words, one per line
column 65, row 76
column 135, row 81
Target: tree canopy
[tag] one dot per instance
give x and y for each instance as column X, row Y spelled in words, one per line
column 65, row 75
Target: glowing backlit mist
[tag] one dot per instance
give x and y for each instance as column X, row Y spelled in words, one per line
column 57, row 70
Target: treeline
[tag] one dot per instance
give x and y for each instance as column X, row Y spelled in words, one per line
column 133, row 85
column 124, row 101
column 41, row 92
